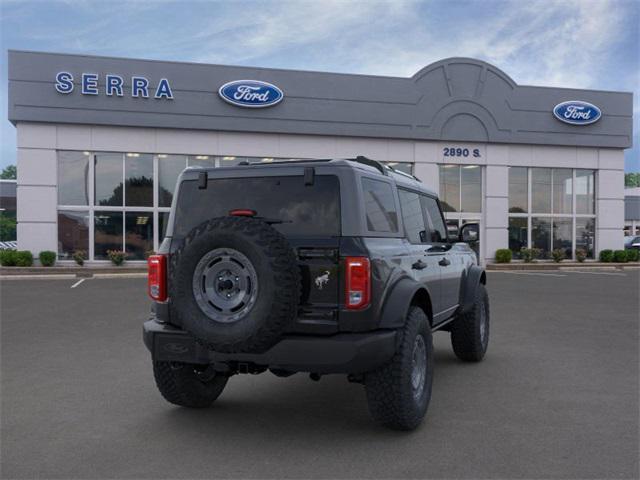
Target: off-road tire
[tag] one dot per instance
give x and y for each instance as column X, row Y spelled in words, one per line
column 180, row 384
column 468, row 343
column 279, row 283
column 389, row 390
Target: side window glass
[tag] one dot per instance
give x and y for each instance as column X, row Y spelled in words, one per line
column 380, row 208
column 437, row 228
column 412, row 216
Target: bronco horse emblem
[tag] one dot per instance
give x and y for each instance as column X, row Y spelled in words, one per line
column 322, row 280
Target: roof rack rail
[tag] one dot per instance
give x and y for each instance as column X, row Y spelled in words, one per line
column 404, row 174
column 372, row 163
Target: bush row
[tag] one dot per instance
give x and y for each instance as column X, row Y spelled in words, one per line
column 620, row 256
column 504, row 255
column 24, row 258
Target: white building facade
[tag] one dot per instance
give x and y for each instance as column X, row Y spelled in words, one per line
column 96, row 171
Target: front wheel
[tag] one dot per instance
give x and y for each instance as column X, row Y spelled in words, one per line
column 470, row 331
column 398, row 394
column 187, row 385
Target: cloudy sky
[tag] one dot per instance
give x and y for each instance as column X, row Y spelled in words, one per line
column 568, row 43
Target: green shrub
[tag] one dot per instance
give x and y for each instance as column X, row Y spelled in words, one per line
column 526, row 254
column 8, row 258
column 24, row 258
column 620, row 256
column 581, row 254
column 79, row 256
column 558, row 255
column 117, row 257
column 606, row 255
column 503, row 255
column 148, row 253
column 530, row 254
column 47, row 258
column 633, row 255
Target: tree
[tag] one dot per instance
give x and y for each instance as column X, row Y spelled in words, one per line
column 632, row 180
column 9, row 173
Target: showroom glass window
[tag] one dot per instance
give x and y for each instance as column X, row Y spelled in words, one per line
column 121, row 200
column 551, row 208
column 461, row 194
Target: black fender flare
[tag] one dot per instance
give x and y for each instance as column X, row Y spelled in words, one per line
column 396, row 306
column 475, row 276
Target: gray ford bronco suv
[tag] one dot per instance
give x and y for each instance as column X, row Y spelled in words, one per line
column 319, row 266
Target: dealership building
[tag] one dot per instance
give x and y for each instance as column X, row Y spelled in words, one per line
column 102, row 140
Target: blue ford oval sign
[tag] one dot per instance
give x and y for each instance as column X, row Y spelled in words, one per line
column 250, row 93
column 577, row 112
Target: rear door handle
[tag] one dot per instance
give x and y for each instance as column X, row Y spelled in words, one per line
column 444, row 262
column 419, row 265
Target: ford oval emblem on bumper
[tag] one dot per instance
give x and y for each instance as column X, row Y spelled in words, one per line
column 251, row 93
column 576, row 112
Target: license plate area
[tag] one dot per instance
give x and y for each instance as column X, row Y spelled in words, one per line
column 174, row 348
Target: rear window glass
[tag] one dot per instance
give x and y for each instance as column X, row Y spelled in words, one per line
column 380, row 207
column 305, row 210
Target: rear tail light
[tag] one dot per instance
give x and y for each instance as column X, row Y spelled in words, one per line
column 157, row 277
column 357, row 282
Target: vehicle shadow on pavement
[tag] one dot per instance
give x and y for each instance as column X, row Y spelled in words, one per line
column 293, row 406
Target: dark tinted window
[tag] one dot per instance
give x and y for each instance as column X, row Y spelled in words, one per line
column 437, row 228
column 380, row 208
column 412, row 216
column 303, row 209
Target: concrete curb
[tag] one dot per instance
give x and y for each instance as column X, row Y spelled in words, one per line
column 497, row 267
column 86, row 272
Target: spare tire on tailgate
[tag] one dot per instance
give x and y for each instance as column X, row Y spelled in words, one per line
column 234, row 284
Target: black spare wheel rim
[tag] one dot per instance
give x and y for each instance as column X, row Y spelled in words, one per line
column 225, row 285
column 234, row 284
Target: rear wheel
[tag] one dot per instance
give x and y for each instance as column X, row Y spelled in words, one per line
column 187, row 385
column 398, row 394
column 470, row 331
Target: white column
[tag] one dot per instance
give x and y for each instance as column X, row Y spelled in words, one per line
column 37, row 188
column 496, row 210
column 610, row 200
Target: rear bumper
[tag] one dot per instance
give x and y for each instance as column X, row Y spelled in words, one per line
column 340, row 353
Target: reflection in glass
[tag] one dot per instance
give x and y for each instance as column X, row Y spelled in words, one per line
column 471, row 188
column 73, row 233
column 450, row 188
column 585, row 235
column 585, row 191
column 541, row 190
column 380, row 209
column 412, row 216
column 518, row 190
column 138, row 172
column 138, row 234
column 163, row 221
column 108, row 179
column 562, row 235
column 73, row 178
column 541, row 235
column 107, row 232
column 517, row 235
column 562, row 190
column 204, row 161
column 169, row 167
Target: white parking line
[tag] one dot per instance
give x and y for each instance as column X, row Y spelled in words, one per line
column 78, row 283
column 598, row 273
column 531, row 273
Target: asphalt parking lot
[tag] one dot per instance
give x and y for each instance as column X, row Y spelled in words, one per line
column 556, row 397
